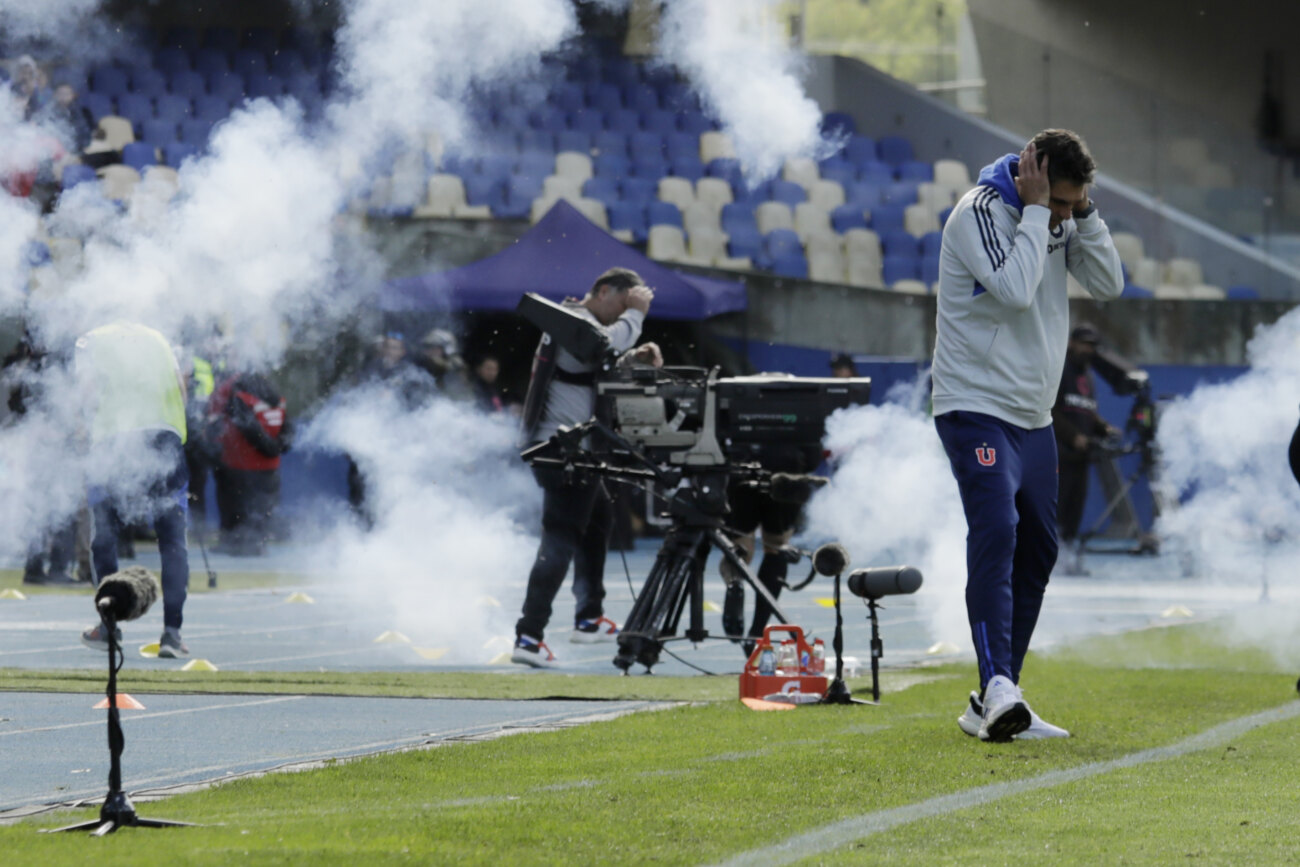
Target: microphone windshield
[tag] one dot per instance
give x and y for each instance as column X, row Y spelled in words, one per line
column 879, row 581
column 794, row 487
column 127, row 595
column 831, row 559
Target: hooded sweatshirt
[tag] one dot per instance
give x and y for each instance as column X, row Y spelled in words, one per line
column 1003, row 316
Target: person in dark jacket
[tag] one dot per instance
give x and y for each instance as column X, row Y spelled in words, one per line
column 247, row 419
column 1079, row 428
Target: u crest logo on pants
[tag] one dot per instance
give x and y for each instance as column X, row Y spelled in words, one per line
column 986, row 456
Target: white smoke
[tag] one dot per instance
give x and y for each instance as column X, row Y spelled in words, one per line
column 892, row 500
column 26, row 18
column 745, row 79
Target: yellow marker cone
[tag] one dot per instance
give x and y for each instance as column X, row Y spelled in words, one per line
column 711, row 606
column 300, row 598
column 149, row 651
column 11, row 593
column 124, row 702
column 431, row 653
column 391, row 637
column 487, row 602
column 198, row 665
column 942, row 647
column 502, row 658
column 1176, row 611
column 825, row 601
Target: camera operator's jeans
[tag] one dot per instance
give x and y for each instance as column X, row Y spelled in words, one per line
column 1007, row 478
column 576, row 520
column 162, row 501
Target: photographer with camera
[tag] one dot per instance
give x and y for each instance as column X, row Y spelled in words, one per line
column 1080, row 430
column 576, row 515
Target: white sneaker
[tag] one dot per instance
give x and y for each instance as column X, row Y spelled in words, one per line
column 531, row 652
column 599, row 631
column 1005, row 712
column 973, row 717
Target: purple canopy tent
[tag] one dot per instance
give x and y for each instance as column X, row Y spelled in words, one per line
column 561, row 256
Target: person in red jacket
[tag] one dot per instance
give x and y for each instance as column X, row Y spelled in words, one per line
column 249, row 431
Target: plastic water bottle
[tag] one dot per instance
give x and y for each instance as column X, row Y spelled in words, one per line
column 819, row 657
column 788, row 660
column 766, row 660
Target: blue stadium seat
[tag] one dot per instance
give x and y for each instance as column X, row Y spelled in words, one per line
column 212, row 62
column 915, row 170
column 573, row 140
column 139, row 155
column 1136, row 292
column 793, row 265
column 76, row 173
column 661, row 121
column 726, row 168
column 230, row 87
column 639, row 189
column 173, row 107
column 895, row 268
column 610, row 165
column 171, row 60
column 744, row 242
column 886, row 218
column 875, row 172
column 211, row 108
column 547, row 118
column 98, row 104
column 189, row 84
column 688, row 167
column 642, row 98
column 537, row 141
column 1241, row 293
column 521, row 189
column 135, row 107
column 223, row 38
column 588, row 121
column 738, row 217
column 931, row 244
column 623, row 120
column 302, row 84
column 865, row 195
column 848, row 216
column 694, row 122
column 900, row 193
column 496, row 166
column 610, row 142
column 483, row 190
column 510, row 116
column 605, row 98
column 148, row 81
column 646, row 142
column 663, row 214
column 679, row 144
column 159, row 131
column 630, row 216
column 781, row 242
column 837, row 123
column 896, row 242
column 788, row 192
column 894, row 150
column 263, row 84
column 929, row 270
column 176, row 153
column 649, row 166
column 605, row 189
column 943, row 216
column 535, row 163
column 287, row 62
column 196, row 131
column 860, row 149
column 109, row 80
column 839, row 170
column 569, row 97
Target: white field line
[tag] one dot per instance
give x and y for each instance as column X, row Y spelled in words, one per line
column 846, row 831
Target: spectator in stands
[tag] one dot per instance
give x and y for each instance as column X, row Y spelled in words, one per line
column 70, row 118
column 1078, row 428
column 842, row 366
column 247, row 420
column 487, row 394
column 576, row 514
column 440, row 357
column 29, row 87
column 1003, row 324
column 135, row 397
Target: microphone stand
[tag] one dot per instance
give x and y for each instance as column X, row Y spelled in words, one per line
column 838, row 691
column 117, row 811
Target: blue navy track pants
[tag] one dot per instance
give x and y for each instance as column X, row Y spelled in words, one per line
column 1007, row 478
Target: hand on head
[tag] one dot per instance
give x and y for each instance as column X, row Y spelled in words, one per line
column 1032, row 183
column 639, row 298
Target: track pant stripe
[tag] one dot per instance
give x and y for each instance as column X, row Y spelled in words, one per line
column 849, row 830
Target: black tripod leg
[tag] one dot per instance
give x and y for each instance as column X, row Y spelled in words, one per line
column 728, row 549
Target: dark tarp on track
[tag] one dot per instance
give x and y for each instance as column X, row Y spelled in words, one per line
column 559, row 257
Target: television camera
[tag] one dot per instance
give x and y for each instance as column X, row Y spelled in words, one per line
column 687, row 432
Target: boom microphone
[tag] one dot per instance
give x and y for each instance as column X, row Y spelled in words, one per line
column 126, row 595
column 795, row 487
column 831, row 559
column 877, row 581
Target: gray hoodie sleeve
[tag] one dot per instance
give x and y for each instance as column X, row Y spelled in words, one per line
column 1093, row 259
column 1008, row 266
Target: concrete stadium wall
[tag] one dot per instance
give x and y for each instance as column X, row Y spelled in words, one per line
column 885, row 106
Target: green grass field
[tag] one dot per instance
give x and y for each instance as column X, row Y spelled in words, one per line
column 708, row 781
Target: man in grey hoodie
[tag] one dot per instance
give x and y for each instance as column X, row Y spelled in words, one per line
column 1003, row 324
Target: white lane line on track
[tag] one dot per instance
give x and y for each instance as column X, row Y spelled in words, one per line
column 854, row 828
column 137, row 717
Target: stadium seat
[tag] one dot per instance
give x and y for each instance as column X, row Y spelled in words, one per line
column 1130, row 249
column 172, row 107
column 863, row 243
column 931, row 243
column 666, row 243
column 1147, row 273
column 196, row 131
column 899, row 243
column 943, row 217
column 651, row 166
column 679, row 191
column 611, row 166
column 899, row 193
column 772, row 215
column 158, row 132
column 910, row 287
column 700, row 216
column 485, row 190
column 573, row 165
column 1183, row 272
column 98, row 104
column 627, row 221
column 264, row 85
column 839, row 170
column 171, row 59
column 714, row 191
column 665, row 123
column 729, row 171
column 935, row 197
column 109, row 80
column 875, row 172
column 787, row 191
column 117, row 131
column 716, row 145
column 707, row 246
column 917, row 171
column 641, row 98
column 212, row 63
column 827, row 195
column 575, row 141
column 792, row 264
column 445, row 193
column 135, row 107
column 1242, row 293
column 894, row 150
column 895, row 268
column 826, row 266
column 919, row 219
column 603, row 188
column 695, row 123
column 562, row 187
column 148, row 81
column 744, row 243
column 539, row 141
column 211, row 108
column 589, row 121
column 1172, row 292
column 175, row 153
column 536, row 164
column 802, row 171
column 846, row 217
column 1136, row 292
column 637, row 189
column 623, row 120
column 953, row 175
column 737, row 217
column 863, row 270
column 181, row 37
column 569, row 97
column 860, row 149
column 930, row 271
column 230, row 87
column 606, row 98
column 118, row 181
column 810, row 219
column 663, row 214
column 886, row 218
column 610, row 142
column 247, row 63
column 864, row 195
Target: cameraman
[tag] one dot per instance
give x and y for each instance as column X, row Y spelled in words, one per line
column 1079, row 429
column 576, row 514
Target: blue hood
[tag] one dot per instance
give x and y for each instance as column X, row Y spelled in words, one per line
column 1001, row 176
